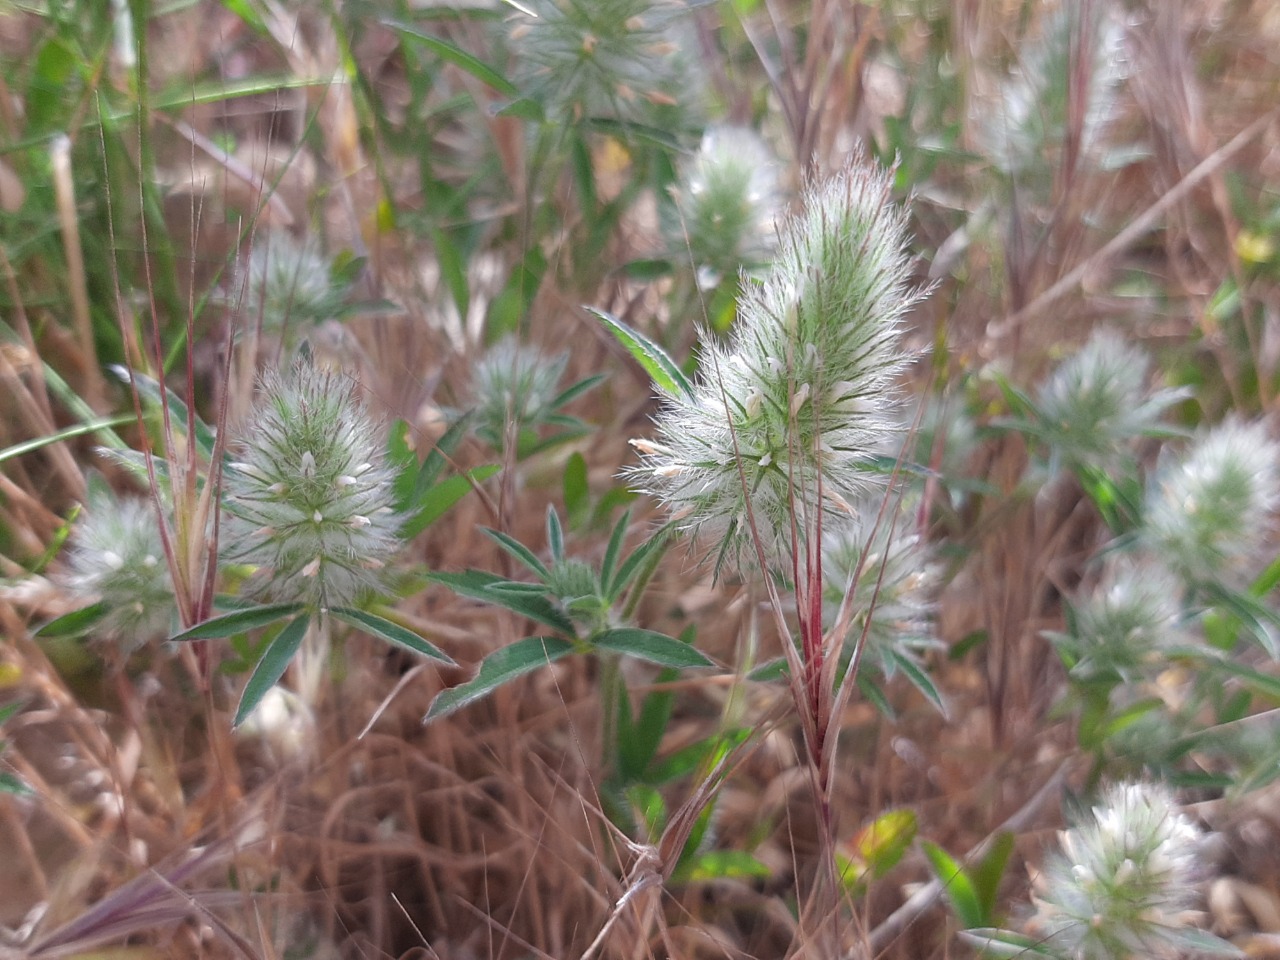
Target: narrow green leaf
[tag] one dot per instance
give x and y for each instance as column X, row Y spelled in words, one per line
column 576, row 390
column 626, row 132
column 1262, row 683
column 149, row 390
column 580, row 158
column 517, row 550
column 725, row 865
column 70, row 433
column 612, row 551
column 271, row 667
column 555, row 534
column 238, row 621
column 1007, row 943
column 477, row 584
column 577, row 498
column 657, row 362
column 879, row 845
column 458, row 57
column 651, row 646
column 770, row 671
column 646, row 552
column 453, row 270
column 957, row 886
column 987, row 873
column 9, row 711
column 522, row 108
column 12, row 785
column 74, row 624
column 502, row 666
column 390, row 631
column 435, row 460
column 244, row 10
column 919, row 679
column 639, row 738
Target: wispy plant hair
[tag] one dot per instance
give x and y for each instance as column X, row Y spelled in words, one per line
column 804, row 395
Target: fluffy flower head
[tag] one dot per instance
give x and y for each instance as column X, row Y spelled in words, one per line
column 515, row 385
column 1210, row 514
column 600, row 58
column 1097, row 401
column 728, row 199
column 311, row 503
column 1124, row 622
column 288, row 283
column 803, row 397
column 1122, row 885
column 118, row 557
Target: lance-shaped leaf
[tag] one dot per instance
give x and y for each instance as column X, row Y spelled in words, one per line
column 389, row 631
column 502, row 666
column 656, row 361
column 238, row 621
column 651, row 646
column 271, row 667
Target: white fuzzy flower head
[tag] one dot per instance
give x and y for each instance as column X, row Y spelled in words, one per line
column 803, row 397
column 514, row 386
column 1210, row 514
column 1032, row 112
column 289, row 283
column 310, row 502
column 893, row 589
column 728, row 200
column 1097, row 401
column 600, row 58
column 118, row 557
column 1123, row 884
column 1122, row 625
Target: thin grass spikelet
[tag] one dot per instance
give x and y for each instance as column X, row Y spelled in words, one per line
column 118, row 558
column 310, row 502
column 803, row 397
column 1123, row 884
column 1209, row 515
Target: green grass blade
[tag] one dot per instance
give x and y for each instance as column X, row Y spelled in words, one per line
column 459, row 58
column 69, row 433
